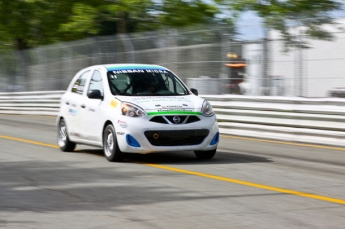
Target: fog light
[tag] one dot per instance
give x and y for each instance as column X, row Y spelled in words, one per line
column 155, row 136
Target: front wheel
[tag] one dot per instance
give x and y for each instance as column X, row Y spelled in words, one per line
column 205, row 154
column 63, row 140
column 110, row 147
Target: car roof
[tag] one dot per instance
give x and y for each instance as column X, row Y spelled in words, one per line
column 113, row 67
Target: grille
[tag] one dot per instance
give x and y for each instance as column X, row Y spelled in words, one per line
column 180, row 119
column 169, row 119
column 193, row 118
column 176, row 137
column 158, row 119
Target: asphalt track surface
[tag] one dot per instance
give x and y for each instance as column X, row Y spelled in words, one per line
column 250, row 183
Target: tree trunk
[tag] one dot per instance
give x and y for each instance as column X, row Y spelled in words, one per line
column 121, row 23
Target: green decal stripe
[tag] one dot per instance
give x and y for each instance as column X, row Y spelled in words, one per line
column 174, row 113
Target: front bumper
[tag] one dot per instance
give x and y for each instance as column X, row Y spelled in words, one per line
column 158, row 137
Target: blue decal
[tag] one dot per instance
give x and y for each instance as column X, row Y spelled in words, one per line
column 72, row 111
column 132, row 141
column 215, row 139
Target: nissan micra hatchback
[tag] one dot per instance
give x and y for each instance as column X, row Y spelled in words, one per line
column 135, row 108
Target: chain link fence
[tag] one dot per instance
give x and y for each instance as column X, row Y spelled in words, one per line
column 210, row 59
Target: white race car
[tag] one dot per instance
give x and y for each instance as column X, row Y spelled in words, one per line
column 135, row 108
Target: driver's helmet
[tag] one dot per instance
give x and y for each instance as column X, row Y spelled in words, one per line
column 151, row 80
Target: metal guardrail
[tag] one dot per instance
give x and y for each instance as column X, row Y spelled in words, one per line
column 337, row 92
column 31, row 103
column 316, row 121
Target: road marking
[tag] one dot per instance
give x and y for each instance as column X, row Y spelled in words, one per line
column 214, row 177
column 285, row 143
column 28, row 141
column 246, row 183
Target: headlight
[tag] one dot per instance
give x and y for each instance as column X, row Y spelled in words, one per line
column 131, row 110
column 206, row 109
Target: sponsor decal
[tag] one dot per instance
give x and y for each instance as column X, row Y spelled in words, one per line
column 173, row 106
column 90, row 109
column 155, row 71
column 129, row 71
column 170, row 110
column 72, row 111
column 122, row 123
column 139, row 71
column 148, row 99
column 75, row 87
column 113, row 103
column 75, row 135
column 174, row 112
column 120, row 133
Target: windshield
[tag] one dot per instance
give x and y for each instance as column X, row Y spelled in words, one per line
column 142, row 82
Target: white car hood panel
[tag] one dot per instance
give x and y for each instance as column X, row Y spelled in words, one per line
column 165, row 103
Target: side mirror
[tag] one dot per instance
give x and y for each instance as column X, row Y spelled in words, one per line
column 194, row 91
column 95, row 94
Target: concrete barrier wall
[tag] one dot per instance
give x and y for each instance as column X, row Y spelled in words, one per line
column 313, row 121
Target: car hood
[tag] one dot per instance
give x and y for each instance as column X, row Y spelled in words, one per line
column 166, row 104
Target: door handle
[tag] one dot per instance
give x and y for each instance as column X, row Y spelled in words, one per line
column 83, row 106
column 67, row 103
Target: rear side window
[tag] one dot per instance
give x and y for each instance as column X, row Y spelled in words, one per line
column 79, row 84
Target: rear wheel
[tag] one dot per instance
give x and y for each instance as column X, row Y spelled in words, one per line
column 204, row 155
column 110, row 147
column 63, row 140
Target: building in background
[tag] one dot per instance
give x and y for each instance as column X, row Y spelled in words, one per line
column 311, row 72
column 236, row 73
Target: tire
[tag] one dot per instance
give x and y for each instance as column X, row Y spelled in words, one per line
column 204, row 155
column 63, row 140
column 110, row 147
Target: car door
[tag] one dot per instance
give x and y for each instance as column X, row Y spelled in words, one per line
column 74, row 103
column 92, row 116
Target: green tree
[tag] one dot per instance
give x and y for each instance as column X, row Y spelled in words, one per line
column 27, row 23
column 179, row 13
column 123, row 16
column 109, row 17
column 282, row 15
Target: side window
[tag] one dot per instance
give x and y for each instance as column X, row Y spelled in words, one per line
column 96, row 82
column 174, row 86
column 169, row 83
column 179, row 89
column 80, row 83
